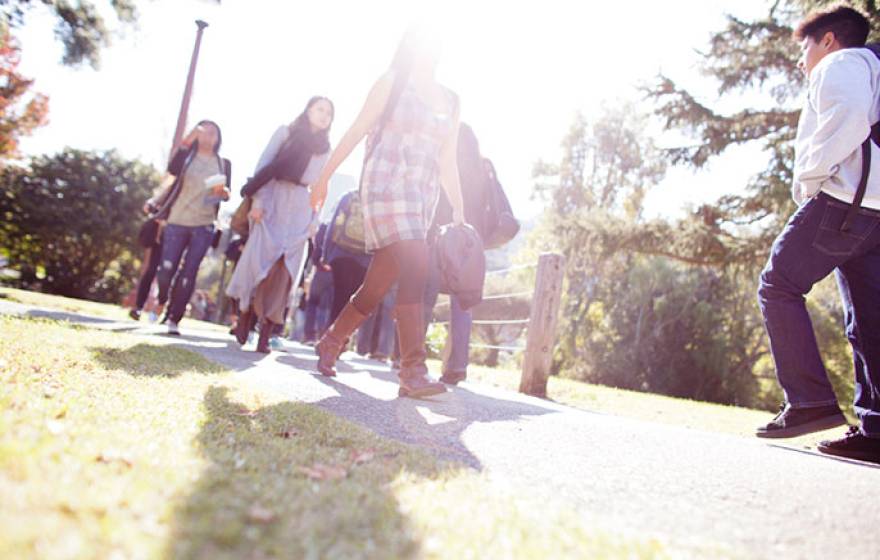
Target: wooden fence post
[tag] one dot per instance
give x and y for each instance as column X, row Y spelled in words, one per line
column 541, row 337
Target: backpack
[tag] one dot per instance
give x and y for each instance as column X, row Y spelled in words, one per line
column 874, row 137
column 501, row 225
column 348, row 226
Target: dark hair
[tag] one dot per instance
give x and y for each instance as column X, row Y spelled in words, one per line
column 219, row 135
column 849, row 26
column 301, row 123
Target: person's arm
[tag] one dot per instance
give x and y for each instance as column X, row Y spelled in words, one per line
column 175, row 166
column 366, row 119
column 842, row 96
column 449, row 177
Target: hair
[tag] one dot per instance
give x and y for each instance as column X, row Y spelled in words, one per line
column 219, row 135
column 301, row 123
column 849, row 26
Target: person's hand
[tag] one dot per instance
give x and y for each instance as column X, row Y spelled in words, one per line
column 326, row 267
column 220, row 191
column 256, row 214
column 318, row 194
column 190, row 137
column 457, row 216
column 148, row 208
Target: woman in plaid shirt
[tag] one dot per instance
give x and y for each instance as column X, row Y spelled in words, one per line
column 412, row 126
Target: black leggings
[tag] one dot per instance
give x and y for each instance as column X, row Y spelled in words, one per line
column 348, row 275
column 404, row 262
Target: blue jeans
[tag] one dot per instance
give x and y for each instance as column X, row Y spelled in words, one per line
column 175, row 240
column 456, row 355
column 376, row 335
column 810, row 247
column 318, row 304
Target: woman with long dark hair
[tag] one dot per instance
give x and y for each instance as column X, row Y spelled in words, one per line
column 189, row 208
column 412, row 126
column 281, row 220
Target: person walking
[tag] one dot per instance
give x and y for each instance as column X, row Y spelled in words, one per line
column 344, row 251
column 835, row 229
column 412, row 126
column 281, row 220
column 189, row 207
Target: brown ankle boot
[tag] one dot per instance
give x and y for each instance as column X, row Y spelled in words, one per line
column 413, row 374
column 244, row 325
column 265, row 332
column 336, row 338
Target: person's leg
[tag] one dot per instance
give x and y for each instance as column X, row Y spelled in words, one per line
column 174, row 242
column 199, row 243
column 381, row 274
column 412, row 261
column 366, row 332
column 344, row 284
column 809, row 248
column 455, row 367
column 145, row 282
column 859, row 282
column 384, row 335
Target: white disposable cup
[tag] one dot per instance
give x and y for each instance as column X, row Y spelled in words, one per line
column 214, row 180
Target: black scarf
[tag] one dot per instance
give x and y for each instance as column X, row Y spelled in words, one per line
column 292, row 159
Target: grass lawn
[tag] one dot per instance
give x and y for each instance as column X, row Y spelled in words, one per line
column 85, row 307
column 115, row 447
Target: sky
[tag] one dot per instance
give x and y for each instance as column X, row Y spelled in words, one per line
column 522, row 70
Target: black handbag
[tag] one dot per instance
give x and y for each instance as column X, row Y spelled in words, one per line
column 148, row 236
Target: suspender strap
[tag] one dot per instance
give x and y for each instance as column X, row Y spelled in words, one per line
column 860, row 190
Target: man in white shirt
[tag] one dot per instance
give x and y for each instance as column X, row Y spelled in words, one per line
column 829, row 233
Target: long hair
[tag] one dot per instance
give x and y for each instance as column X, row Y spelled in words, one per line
column 219, row 135
column 300, row 125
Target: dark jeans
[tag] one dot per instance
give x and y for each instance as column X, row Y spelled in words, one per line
column 146, row 279
column 176, row 239
column 809, row 248
column 318, row 305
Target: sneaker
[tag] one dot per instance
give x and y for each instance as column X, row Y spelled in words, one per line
column 853, row 445
column 135, row 314
column 793, row 422
column 275, row 343
column 152, row 317
column 172, row 328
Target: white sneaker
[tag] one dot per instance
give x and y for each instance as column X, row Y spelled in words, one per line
column 153, row 317
column 275, row 343
column 172, row 328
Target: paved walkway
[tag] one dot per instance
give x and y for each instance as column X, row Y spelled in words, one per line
column 696, row 491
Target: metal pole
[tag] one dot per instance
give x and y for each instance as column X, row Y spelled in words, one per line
column 187, row 92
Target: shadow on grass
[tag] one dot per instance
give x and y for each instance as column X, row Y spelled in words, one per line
column 254, row 501
column 151, row 360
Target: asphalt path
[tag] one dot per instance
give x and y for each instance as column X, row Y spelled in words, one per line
column 699, row 492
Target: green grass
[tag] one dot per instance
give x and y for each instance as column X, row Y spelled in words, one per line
column 649, row 407
column 111, row 446
column 85, row 307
